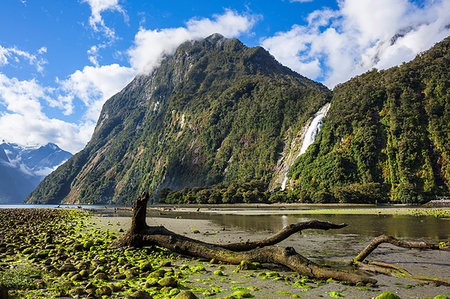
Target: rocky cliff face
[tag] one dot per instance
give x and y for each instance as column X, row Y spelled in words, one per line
column 215, row 111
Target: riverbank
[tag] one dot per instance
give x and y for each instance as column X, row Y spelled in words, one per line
column 67, row 253
column 294, row 209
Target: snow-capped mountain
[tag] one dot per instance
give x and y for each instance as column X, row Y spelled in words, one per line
column 22, row 168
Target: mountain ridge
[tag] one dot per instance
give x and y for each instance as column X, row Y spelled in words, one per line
column 217, row 112
column 185, row 118
column 22, row 168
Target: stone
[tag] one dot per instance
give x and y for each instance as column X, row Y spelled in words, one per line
column 168, row 282
column 185, row 294
column 104, row 291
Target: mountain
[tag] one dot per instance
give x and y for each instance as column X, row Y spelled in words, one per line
column 386, row 136
column 220, row 114
column 22, row 168
column 215, row 111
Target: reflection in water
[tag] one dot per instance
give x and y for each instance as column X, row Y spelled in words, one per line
column 400, row 226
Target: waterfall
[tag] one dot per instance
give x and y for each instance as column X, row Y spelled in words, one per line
column 309, row 137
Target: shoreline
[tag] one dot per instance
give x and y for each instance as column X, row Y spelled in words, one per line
column 84, row 241
column 425, row 263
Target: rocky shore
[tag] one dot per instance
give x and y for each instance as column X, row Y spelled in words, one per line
column 46, row 253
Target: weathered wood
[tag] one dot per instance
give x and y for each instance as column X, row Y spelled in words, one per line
column 140, row 234
column 388, row 239
column 265, row 251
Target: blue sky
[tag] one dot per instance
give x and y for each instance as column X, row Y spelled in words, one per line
column 61, row 60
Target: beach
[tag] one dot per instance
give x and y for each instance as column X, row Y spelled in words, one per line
column 70, row 253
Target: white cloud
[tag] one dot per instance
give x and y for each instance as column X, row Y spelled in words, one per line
column 94, row 55
column 97, row 8
column 14, row 54
column 39, row 129
column 94, row 85
column 23, row 121
column 336, row 45
column 150, row 46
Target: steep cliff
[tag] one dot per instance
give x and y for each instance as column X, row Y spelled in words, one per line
column 216, row 111
column 387, row 134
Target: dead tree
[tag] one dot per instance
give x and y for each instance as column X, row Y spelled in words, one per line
column 263, row 251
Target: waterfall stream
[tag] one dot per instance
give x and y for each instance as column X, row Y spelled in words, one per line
column 310, row 136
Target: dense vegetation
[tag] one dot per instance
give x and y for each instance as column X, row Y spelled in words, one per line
column 219, row 114
column 216, row 111
column 386, row 136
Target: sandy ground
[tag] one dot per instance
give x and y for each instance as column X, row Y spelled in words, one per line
column 425, row 263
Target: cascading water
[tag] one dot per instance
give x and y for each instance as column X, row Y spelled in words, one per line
column 310, row 136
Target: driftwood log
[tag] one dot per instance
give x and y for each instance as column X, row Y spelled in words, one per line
column 262, row 251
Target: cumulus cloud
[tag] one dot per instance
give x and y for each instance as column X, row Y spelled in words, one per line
column 23, row 121
column 336, row 45
column 94, row 85
column 14, row 55
column 150, row 46
column 97, row 8
column 39, row 129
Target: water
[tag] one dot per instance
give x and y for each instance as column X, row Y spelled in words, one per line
column 399, row 226
column 310, row 136
column 426, row 228
column 31, row 206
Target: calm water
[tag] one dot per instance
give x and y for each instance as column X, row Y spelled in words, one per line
column 400, row 226
column 26, row 206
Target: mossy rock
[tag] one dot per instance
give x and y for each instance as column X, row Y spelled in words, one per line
column 42, row 254
column 168, row 282
column 102, row 276
column 76, row 292
column 116, row 287
column 241, row 294
column 197, row 269
column 185, row 294
column 157, row 274
column 120, row 276
column 84, row 273
column 77, row 247
column 28, row 250
column 88, row 244
column 247, row 265
column 152, row 284
column 77, row 277
column 145, row 267
column 272, row 274
column 441, row 297
column 67, row 268
column 219, row 273
column 387, row 295
column 104, row 291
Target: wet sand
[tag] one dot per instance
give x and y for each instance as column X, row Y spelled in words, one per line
column 318, row 247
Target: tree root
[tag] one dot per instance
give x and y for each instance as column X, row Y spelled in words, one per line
column 265, row 251
column 140, row 234
column 388, row 239
column 390, row 269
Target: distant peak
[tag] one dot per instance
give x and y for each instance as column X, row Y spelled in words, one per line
column 215, row 37
column 52, row 145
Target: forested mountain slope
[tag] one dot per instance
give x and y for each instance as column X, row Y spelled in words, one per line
column 386, row 136
column 216, row 111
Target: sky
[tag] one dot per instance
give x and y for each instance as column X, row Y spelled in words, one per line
column 61, row 60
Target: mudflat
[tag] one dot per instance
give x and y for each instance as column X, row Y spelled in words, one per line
column 70, row 253
column 318, row 247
